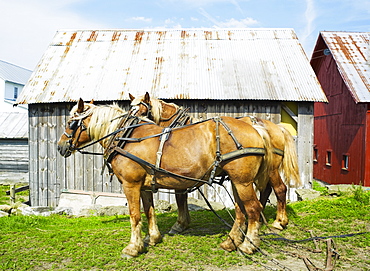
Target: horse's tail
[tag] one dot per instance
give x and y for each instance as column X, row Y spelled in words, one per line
column 289, row 165
column 262, row 177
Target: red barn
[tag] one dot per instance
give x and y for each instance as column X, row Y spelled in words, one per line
column 342, row 126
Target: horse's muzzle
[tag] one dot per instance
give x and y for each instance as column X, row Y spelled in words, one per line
column 64, row 149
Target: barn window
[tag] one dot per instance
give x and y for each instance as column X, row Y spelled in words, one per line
column 15, row 96
column 315, row 153
column 328, row 157
column 345, row 162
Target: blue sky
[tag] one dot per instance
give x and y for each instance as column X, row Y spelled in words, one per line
column 28, row 26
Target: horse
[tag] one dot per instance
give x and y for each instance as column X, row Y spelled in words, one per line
column 190, row 155
column 284, row 160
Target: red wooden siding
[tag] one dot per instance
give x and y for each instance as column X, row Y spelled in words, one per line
column 339, row 127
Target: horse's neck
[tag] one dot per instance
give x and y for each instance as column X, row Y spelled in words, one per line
column 104, row 124
column 168, row 114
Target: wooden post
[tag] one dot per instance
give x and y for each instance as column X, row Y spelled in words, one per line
column 12, row 193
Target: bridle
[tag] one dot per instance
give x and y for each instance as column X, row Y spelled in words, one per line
column 74, row 124
column 147, row 106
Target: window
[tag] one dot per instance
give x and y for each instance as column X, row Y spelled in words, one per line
column 15, row 93
column 315, row 153
column 328, row 157
column 345, row 162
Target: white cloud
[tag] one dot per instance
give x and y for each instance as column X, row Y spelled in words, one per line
column 142, row 19
column 31, row 25
column 230, row 23
column 309, row 28
column 233, row 23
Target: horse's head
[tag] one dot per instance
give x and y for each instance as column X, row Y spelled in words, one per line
column 75, row 134
column 141, row 106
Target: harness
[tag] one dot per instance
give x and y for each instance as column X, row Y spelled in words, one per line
column 119, row 140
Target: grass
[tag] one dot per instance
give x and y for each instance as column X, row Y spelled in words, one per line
column 95, row 243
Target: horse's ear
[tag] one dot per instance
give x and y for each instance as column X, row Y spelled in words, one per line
column 80, row 106
column 92, row 101
column 146, row 98
column 131, row 97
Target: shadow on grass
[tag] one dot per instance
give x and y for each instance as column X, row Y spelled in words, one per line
column 202, row 222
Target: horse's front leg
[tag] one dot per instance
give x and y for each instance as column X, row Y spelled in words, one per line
column 236, row 235
column 136, row 245
column 183, row 218
column 154, row 237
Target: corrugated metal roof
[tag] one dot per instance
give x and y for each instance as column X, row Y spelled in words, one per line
column 351, row 51
column 250, row 64
column 13, row 73
column 13, row 125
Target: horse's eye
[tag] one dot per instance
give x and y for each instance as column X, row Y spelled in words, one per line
column 73, row 125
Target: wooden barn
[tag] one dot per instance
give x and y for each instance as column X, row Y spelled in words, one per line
column 14, row 147
column 234, row 72
column 341, row 61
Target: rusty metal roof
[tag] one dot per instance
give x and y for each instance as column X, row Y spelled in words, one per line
column 250, row 64
column 351, row 51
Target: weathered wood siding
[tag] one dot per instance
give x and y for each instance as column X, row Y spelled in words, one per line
column 14, row 155
column 50, row 173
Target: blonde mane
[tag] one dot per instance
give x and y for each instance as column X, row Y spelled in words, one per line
column 103, row 119
column 157, row 108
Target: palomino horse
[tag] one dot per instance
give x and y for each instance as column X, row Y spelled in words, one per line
column 188, row 160
column 284, row 159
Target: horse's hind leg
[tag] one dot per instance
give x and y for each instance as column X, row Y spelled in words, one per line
column 265, row 194
column 154, row 237
column 183, row 218
column 253, row 209
column 280, row 190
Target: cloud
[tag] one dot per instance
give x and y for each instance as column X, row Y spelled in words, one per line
column 230, row 23
column 233, row 23
column 142, row 19
column 310, row 16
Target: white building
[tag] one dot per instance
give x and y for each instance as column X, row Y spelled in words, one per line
column 12, row 80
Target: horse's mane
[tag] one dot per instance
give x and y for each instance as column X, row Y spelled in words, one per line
column 103, row 118
column 157, row 108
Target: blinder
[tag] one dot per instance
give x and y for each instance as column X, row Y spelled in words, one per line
column 73, row 125
column 149, row 107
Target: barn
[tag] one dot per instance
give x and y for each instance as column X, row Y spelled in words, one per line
column 234, row 72
column 14, row 147
column 341, row 61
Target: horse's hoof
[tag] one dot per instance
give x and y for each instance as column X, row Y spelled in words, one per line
column 177, row 228
column 277, row 225
column 173, row 232
column 228, row 245
column 246, row 249
column 152, row 241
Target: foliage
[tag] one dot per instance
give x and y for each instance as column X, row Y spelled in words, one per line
column 317, row 187
column 361, row 195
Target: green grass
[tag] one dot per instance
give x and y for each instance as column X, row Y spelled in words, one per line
column 95, row 243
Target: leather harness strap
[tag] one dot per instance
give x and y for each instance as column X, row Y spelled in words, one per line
column 120, row 139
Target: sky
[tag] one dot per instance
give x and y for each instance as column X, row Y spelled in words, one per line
column 28, row 26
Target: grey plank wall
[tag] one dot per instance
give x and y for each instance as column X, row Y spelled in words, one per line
column 50, row 173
